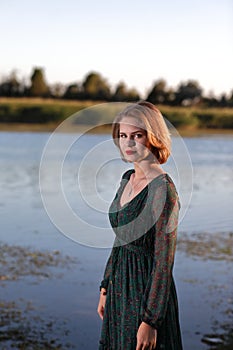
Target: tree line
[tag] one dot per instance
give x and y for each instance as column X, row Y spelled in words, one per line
column 95, row 87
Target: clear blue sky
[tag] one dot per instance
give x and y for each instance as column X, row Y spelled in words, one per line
column 134, row 41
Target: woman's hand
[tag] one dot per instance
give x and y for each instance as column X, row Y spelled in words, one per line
column 102, row 302
column 146, row 337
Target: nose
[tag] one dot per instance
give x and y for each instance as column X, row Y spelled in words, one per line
column 131, row 142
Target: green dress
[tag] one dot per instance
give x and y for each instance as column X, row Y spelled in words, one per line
column 138, row 275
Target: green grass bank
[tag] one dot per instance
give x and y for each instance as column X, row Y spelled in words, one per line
column 48, row 113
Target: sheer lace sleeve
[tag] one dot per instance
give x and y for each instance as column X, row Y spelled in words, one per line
column 108, row 271
column 110, row 266
column 165, row 209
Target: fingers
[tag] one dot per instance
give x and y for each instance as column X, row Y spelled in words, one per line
column 101, row 305
column 100, row 312
column 145, row 346
column 146, row 337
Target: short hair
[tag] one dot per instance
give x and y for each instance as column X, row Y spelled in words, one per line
column 152, row 122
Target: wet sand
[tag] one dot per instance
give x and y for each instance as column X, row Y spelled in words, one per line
column 48, row 299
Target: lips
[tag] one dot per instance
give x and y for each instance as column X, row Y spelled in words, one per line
column 130, row 152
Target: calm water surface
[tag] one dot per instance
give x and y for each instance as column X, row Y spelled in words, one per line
column 204, row 284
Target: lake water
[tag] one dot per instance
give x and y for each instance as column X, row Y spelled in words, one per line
column 66, row 301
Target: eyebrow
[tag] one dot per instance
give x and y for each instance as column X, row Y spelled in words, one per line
column 135, row 132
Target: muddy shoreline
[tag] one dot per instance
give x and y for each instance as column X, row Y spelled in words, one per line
column 24, row 326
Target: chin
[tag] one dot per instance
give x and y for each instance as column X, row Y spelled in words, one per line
column 129, row 160
column 133, row 159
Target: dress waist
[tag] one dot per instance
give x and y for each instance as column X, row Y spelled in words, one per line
column 138, row 250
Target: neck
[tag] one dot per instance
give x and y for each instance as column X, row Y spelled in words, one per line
column 145, row 168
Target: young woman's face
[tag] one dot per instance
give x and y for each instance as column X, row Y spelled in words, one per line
column 133, row 141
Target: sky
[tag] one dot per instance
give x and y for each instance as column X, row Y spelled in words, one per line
column 137, row 42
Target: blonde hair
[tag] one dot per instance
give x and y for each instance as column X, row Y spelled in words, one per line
column 153, row 122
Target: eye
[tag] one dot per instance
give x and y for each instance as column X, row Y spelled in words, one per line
column 138, row 136
column 122, row 136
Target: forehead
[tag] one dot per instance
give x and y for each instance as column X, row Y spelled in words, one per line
column 130, row 124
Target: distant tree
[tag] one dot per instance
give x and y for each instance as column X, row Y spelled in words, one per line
column 125, row 95
column 133, row 95
column 120, row 93
column 158, row 93
column 188, row 93
column 223, row 101
column 210, row 100
column 95, row 87
column 11, row 86
column 57, row 90
column 38, row 87
column 230, row 100
column 170, row 97
column 72, row 92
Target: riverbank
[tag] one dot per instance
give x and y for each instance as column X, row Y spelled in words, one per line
column 45, row 114
column 50, row 127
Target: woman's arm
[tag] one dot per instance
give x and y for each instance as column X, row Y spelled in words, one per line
column 104, row 284
column 165, row 210
column 108, row 268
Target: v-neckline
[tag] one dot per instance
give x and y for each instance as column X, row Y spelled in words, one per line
column 143, row 189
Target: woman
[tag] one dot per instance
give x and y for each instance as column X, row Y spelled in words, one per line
column 138, row 302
